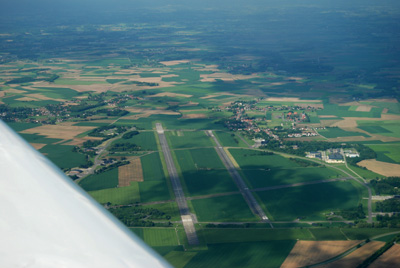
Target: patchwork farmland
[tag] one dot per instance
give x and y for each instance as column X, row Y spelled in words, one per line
column 241, row 100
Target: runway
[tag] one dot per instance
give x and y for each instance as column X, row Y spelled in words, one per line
column 244, row 190
column 187, row 218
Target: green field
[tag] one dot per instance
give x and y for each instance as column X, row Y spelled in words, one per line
column 22, row 126
column 222, row 209
column 35, row 138
column 334, row 132
column 227, row 140
column 108, row 179
column 63, row 156
column 188, row 139
column 263, row 178
column 227, row 235
column 203, row 172
column 57, row 92
column 256, row 254
column 146, row 141
column 310, row 202
column 345, row 111
column 91, row 124
column 77, row 82
column 374, row 129
column 152, row 167
column 204, row 182
column 118, row 196
column 364, row 233
column 160, row 237
column 387, row 152
column 151, row 191
column 390, row 128
column 251, row 159
column 327, row 234
column 198, row 159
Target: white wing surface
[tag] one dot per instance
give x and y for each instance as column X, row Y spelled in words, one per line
column 48, row 221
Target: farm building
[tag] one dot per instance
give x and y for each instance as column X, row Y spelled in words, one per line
column 335, row 158
column 314, row 155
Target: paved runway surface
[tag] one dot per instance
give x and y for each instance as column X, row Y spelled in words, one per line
column 248, row 196
column 176, row 185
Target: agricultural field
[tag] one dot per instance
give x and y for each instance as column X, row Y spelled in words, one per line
column 264, row 178
column 117, row 196
column 229, row 139
column 63, row 155
column 239, row 72
column 309, row 202
column 338, row 132
column 203, row 172
column 307, row 253
column 387, row 153
column 223, row 209
column 146, row 141
column 250, row 159
column 256, row 254
column 105, row 180
column 358, row 256
column 188, row 139
column 388, row 259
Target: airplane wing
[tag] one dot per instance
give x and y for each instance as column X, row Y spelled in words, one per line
column 46, row 220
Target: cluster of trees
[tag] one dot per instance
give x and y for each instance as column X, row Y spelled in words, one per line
column 149, row 84
column 91, row 143
column 390, row 205
column 389, row 186
column 100, row 131
column 353, row 214
column 10, row 114
column 112, row 166
column 365, row 153
column 28, row 79
column 139, row 216
column 21, row 80
column 124, row 147
column 130, row 134
column 113, row 112
column 389, row 221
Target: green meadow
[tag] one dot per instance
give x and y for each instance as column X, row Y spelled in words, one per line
column 188, row 139
column 223, row 209
column 105, row 180
column 310, row 202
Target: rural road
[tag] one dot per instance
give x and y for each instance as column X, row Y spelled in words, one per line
column 248, row 196
column 364, row 183
column 187, row 219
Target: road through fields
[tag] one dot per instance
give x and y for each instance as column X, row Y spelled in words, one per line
column 248, row 196
column 187, row 219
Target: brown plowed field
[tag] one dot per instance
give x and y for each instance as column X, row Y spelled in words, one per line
column 64, row 131
column 389, row 259
column 357, row 257
column 383, row 168
column 311, row 252
column 131, row 172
